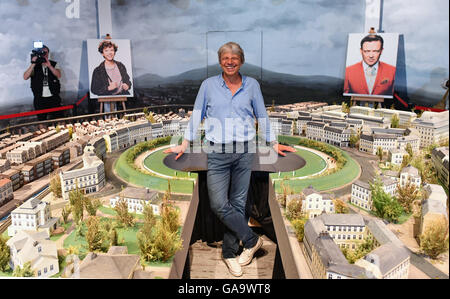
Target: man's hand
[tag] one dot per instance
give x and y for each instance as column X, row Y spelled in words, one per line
column 179, row 149
column 47, row 63
column 279, row 148
column 125, row 86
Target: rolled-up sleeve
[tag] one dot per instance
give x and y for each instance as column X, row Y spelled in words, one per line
column 198, row 113
column 261, row 113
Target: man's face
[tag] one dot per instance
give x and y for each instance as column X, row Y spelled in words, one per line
column 230, row 63
column 371, row 52
column 109, row 53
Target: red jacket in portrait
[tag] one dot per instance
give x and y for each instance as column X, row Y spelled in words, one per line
column 355, row 80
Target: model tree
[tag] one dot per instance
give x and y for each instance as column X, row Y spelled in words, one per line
column 405, row 161
column 160, row 241
column 407, row 195
column 55, row 185
column 4, row 254
column 76, row 200
column 354, row 139
column 345, row 108
column 93, row 235
column 385, row 206
column 92, row 205
column 340, row 206
column 409, row 150
column 434, row 240
column 294, row 208
column 65, row 212
column 123, row 215
column 380, row 153
column 395, row 121
column 24, row 271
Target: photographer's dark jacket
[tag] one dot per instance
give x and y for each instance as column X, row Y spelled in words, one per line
column 37, row 81
column 100, row 83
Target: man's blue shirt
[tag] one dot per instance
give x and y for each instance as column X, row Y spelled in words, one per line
column 229, row 117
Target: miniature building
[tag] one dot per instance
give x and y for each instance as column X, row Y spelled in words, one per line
column 90, row 178
column 361, row 195
column 391, row 259
column 410, row 174
column 439, row 156
column 337, row 136
column 323, row 255
column 4, row 165
column 115, row 264
column 432, row 127
column 395, row 156
column 6, row 191
column 326, row 233
column 34, row 247
column 140, row 132
column 33, row 215
column 136, row 198
column 171, row 127
column 60, row 157
column 314, row 203
column 314, row 130
column 15, row 176
column 157, row 130
column 434, row 206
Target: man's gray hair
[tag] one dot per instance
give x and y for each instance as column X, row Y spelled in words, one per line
column 232, row 47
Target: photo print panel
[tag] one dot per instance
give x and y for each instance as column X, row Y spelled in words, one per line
column 110, row 72
column 371, row 65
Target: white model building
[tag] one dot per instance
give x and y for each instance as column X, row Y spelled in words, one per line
column 36, row 248
column 395, row 156
column 410, row 174
column 362, row 194
column 432, row 127
column 315, row 203
column 33, row 215
column 136, row 198
column 90, row 178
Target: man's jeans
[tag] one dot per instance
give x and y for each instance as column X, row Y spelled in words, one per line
column 228, row 179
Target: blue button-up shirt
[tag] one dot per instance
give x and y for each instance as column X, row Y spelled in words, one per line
column 229, row 117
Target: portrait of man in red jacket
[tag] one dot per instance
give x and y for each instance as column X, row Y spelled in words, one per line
column 370, row 76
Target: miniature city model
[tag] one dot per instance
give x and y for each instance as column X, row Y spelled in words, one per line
column 373, row 192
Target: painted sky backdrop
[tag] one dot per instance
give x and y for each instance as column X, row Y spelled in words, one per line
column 168, row 37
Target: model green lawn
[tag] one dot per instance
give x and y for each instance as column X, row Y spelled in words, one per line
column 127, row 237
column 314, row 164
column 136, row 177
column 323, row 182
column 155, row 163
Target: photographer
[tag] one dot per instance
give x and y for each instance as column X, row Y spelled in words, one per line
column 44, row 82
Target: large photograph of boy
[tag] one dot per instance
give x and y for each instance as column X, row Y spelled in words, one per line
column 110, row 68
column 371, row 65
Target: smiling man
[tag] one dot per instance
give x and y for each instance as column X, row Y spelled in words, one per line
column 229, row 103
column 370, row 76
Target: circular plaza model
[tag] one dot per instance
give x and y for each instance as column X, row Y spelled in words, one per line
column 148, row 170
